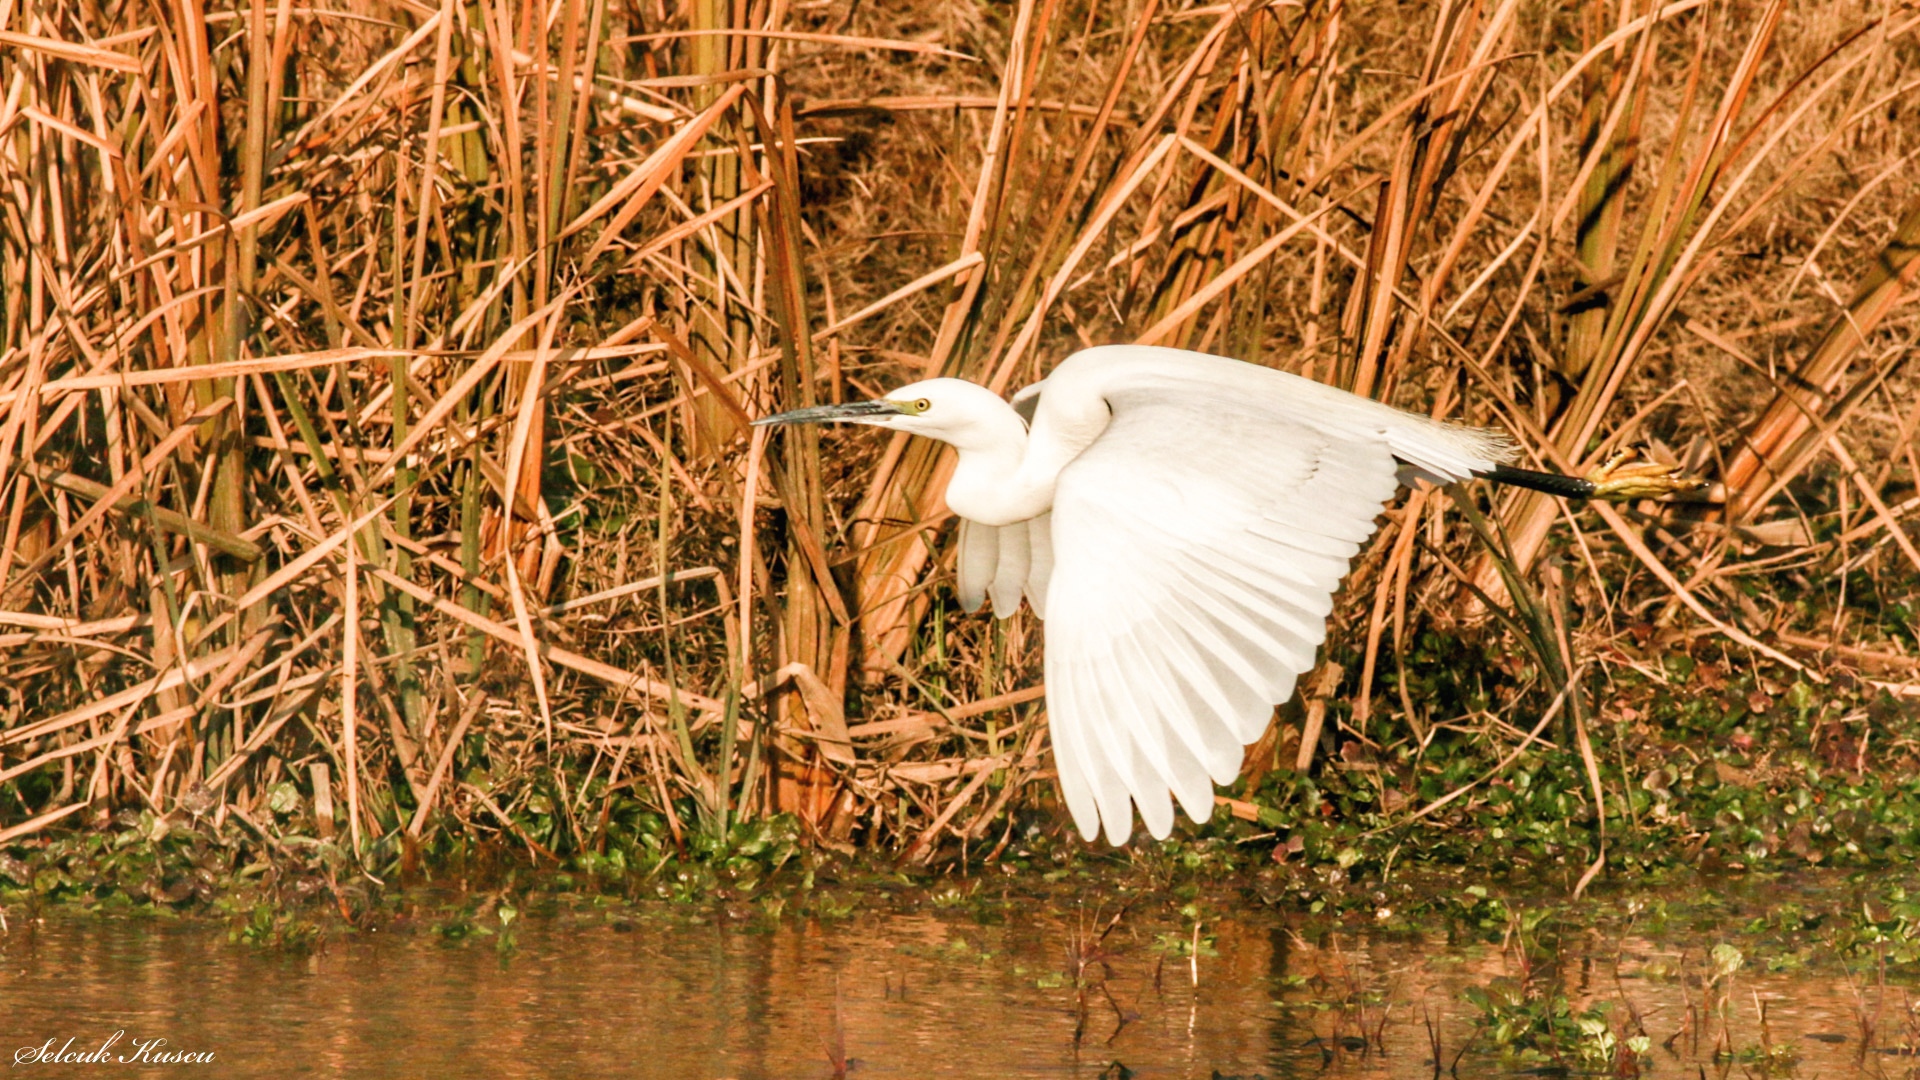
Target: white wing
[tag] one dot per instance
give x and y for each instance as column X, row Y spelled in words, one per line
column 1202, row 536
column 1003, row 563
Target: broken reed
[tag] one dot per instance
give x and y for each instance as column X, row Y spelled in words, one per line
column 376, row 379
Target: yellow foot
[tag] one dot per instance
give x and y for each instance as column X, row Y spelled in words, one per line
column 1620, row 479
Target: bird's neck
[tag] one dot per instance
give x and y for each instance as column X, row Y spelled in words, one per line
column 1007, row 474
column 989, row 486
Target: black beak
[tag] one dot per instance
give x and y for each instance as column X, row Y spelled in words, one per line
column 855, row 411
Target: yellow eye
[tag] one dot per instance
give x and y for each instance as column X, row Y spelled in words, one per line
column 922, row 405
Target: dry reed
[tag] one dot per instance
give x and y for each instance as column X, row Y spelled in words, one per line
column 376, row 377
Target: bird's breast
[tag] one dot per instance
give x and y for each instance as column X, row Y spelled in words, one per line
column 995, row 490
column 994, row 504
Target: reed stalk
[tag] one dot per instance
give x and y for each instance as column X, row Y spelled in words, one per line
column 353, row 365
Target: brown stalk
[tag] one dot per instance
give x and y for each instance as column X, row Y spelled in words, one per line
column 488, row 294
column 1893, row 274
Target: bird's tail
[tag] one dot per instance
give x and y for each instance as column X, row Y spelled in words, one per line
column 1442, row 453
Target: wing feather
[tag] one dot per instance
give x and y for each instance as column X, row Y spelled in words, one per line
column 1137, row 755
column 974, row 565
column 1204, row 533
column 1268, row 618
column 1103, row 774
column 1010, row 576
column 1137, row 725
column 1003, row 563
column 1216, row 745
column 1039, row 561
column 1072, row 764
column 1183, row 754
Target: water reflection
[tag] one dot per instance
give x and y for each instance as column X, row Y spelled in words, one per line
column 910, row 995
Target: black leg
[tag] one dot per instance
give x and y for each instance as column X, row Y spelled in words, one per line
column 1567, row 487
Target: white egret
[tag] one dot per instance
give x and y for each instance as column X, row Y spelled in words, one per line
column 1181, row 523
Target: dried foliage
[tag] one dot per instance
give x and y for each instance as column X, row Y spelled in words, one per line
column 375, row 378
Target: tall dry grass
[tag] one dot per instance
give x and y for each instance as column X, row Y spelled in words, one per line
column 376, row 377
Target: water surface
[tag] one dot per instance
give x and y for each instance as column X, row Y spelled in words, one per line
column 926, row 993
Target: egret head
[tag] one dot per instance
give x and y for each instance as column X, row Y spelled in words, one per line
column 952, row 410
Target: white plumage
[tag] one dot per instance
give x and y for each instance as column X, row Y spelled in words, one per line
column 1181, row 522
